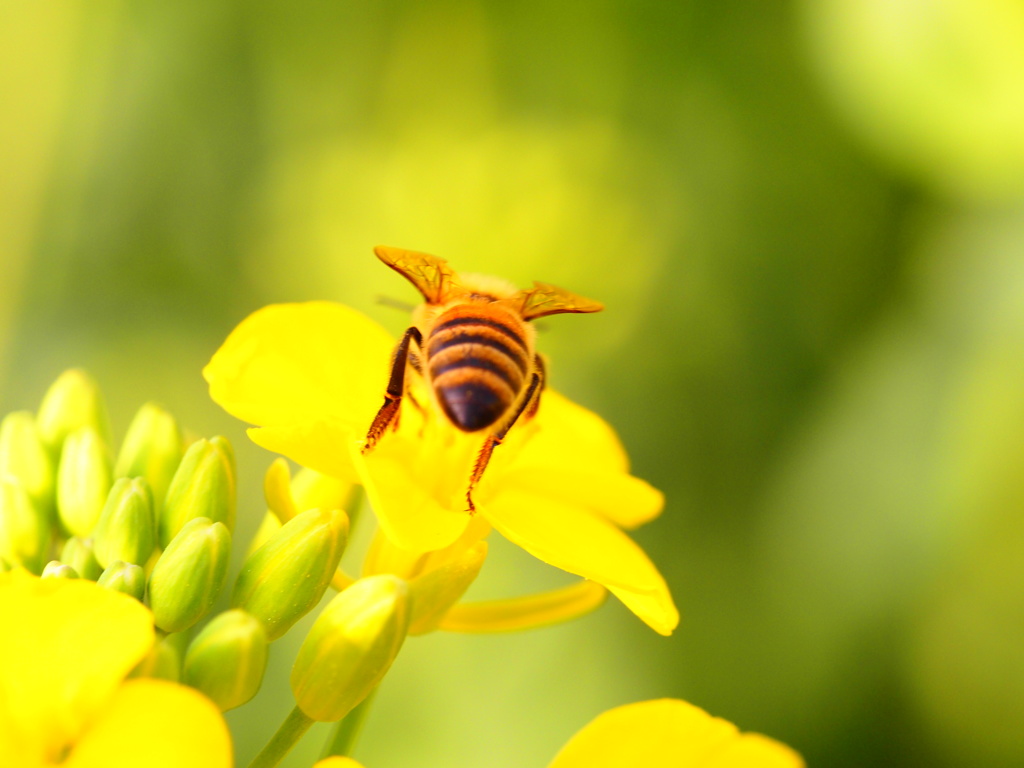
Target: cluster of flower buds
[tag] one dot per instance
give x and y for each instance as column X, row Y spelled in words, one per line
column 155, row 521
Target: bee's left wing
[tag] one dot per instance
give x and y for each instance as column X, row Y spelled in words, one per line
column 430, row 274
column 547, row 299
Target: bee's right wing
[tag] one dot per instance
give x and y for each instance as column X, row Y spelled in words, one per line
column 547, row 299
column 430, row 274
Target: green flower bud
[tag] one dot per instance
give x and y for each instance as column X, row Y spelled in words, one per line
column 55, row 569
column 124, row 577
column 189, row 575
column 203, row 486
column 80, row 555
column 152, row 449
column 285, row 578
column 24, row 532
column 433, row 593
column 267, row 529
column 83, row 481
column 163, row 662
column 350, row 647
column 227, row 659
column 23, row 455
column 72, row 402
column 127, row 529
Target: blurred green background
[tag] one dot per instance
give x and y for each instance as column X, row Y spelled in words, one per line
column 806, row 220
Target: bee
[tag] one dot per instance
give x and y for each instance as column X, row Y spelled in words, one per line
column 473, row 344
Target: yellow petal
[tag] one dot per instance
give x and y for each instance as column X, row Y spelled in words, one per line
column 156, row 724
column 576, row 541
column 408, row 509
column 571, row 434
column 570, row 454
column 341, row 580
column 315, row 490
column 752, row 750
column 627, row 501
column 655, row 608
column 288, row 364
column 384, row 557
column 319, row 445
column 71, row 644
column 338, row 762
column 527, row 612
column 668, row 733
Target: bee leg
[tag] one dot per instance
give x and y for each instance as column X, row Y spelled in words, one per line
column 538, row 365
column 482, row 459
column 414, row 363
column 388, row 412
column 415, row 403
column 529, row 403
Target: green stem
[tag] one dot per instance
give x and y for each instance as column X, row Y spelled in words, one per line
column 348, row 729
column 291, row 730
column 354, row 505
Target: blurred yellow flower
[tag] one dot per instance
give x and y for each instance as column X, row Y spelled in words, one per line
column 67, row 646
column 669, row 733
column 311, row 377
column 663, row 733
column 338, row 762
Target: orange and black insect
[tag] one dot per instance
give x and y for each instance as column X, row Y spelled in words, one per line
column 472, row 342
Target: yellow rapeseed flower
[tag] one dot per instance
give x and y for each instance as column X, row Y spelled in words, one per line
column 67, row 647
column 311, row 377
column 669, row 733
column 663, row 733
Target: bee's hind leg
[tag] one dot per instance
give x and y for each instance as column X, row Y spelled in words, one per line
column 529, row 405
column 388, row 412
column 531, row 409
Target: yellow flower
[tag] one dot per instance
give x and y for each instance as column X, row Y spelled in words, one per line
column 311, row 377
column 663, row 733
column 669, row 733
column 67, row 646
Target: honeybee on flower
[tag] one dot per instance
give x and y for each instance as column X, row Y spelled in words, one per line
column 472, row 342
column 309, row 376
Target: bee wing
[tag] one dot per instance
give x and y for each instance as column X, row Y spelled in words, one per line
column 547, row 299
column 430, row 274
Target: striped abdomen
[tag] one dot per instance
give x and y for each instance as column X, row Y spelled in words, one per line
column 478, row 363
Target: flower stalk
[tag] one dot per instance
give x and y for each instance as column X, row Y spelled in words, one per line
column 292, row 729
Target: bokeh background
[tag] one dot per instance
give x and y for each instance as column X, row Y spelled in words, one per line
column 806, row 220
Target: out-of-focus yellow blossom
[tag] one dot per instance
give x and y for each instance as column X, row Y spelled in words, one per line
column 669, row 733
column 663, row 733
column 311, row 377
column 67, row 647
